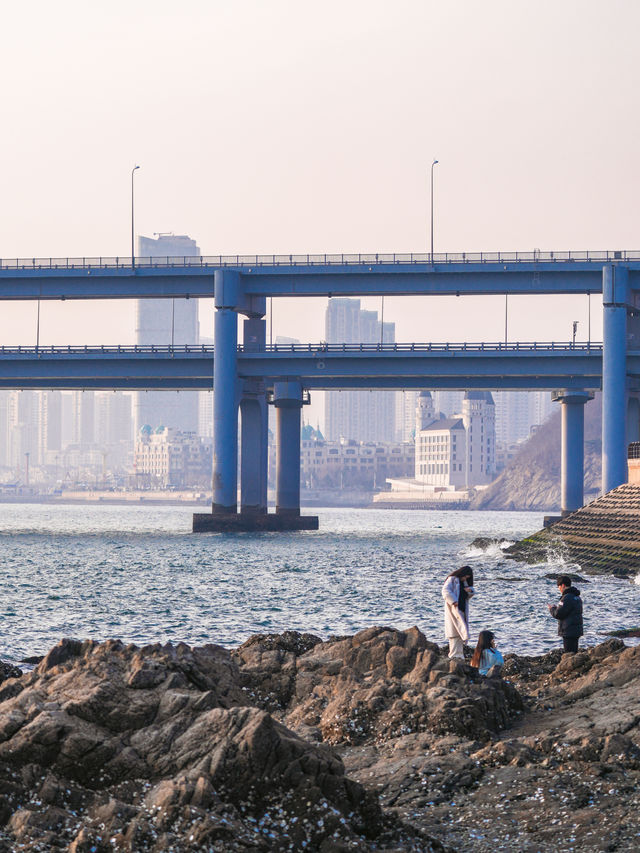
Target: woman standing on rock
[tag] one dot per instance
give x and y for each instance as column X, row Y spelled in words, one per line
column 457, row 590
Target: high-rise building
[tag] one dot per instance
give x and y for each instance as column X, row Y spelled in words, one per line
column 5, row 397
column 406, row 402
column 49, row 425
column 449, row 402
column 167, row 321
column 23, row 431
column 479, row 417
column 84, row 418
column 114, row 428
column 517, row 412
column 358, row 415
column 541, row 406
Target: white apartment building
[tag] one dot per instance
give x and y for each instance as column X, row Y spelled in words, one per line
column 441, row 453
column 171, row 458
column 457, row 452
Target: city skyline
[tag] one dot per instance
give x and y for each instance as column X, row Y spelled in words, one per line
column 516, row 169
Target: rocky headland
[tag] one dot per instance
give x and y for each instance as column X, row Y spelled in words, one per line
column 372, row 742
column 531, row 480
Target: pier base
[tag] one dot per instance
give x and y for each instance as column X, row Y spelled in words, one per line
column 206, row 522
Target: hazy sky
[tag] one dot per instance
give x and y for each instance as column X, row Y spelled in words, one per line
column 294, row 126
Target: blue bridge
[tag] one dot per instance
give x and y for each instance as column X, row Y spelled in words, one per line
column 248, row 377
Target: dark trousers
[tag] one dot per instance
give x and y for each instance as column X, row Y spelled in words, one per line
column 570, row 644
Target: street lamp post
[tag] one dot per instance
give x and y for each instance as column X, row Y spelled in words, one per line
column 133, row 251
column 432, row 165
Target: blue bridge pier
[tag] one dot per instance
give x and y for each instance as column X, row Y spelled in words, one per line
column 230, row 394
column 572, row 448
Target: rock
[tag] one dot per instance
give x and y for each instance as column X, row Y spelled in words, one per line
column 623, row 632
column 383, row 683
column 109, row 746
column 553, row 576
column 485, row 542
column 8, row 670
column 370, row 742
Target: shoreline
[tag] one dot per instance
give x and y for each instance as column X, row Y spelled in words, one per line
column 373, row 741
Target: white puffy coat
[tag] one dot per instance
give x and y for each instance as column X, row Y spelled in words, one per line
column 455, row 623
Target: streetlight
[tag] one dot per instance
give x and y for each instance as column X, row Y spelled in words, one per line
column 133, row 251
column 432, row 165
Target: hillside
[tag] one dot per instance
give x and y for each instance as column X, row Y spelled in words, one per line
column 531, row 481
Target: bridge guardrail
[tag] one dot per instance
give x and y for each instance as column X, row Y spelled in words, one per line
column 363, row 259
column 313, row 348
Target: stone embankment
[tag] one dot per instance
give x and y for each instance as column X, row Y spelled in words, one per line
column 370, row 742
column 602, row 537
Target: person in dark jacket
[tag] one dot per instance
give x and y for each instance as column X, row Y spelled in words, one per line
column 568, row 613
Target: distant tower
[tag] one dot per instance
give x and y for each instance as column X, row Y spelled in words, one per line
column 163, row 321
column 478, row 414
column 425, row 411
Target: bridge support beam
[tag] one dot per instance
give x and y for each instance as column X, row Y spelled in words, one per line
column 254, row 435
column 225, row 395
column 572, row 448
column 253, row 450
column 615, row 288
column 288, row 398
column 288, row 402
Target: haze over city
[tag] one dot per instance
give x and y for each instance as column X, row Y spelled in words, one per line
column 288, row 127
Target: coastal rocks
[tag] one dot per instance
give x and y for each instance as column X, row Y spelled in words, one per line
column 8, row 670
column 624, row 632
column 371, row 742
column 267, row 664
column 568, row 768
column 483, row 543
column 553, row 576
column 114, row 747
column 382, row 683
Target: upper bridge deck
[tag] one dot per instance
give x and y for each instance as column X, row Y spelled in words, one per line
column 482, row 273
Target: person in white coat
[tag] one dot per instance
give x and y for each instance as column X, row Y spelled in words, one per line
column 456, row 591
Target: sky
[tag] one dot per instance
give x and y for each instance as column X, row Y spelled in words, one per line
column 291, row 126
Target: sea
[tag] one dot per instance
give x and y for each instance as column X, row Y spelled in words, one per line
column 139, row 574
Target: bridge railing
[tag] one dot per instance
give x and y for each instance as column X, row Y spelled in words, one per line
column 252, row 261
column 317, row 349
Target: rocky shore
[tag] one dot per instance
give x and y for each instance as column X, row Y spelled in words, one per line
column 373, row 742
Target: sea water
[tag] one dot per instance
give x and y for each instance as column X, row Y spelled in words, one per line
column 139, row 574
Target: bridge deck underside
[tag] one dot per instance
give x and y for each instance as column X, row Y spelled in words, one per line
column 316, row 370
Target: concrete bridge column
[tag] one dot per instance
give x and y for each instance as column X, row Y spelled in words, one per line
column 254, row 435
column 572, row 448
column 615, row 291
column 225, row 394
column 288, row 401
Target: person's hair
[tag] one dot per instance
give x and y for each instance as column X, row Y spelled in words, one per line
column 465, row 571
column 485, row 638
column 564, row 580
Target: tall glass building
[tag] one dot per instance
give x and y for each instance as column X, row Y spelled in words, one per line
column 166, row 321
